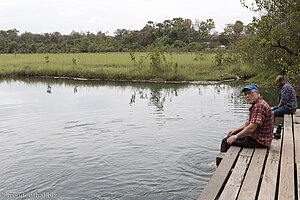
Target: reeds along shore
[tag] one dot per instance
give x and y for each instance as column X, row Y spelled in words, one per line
column 123, row 66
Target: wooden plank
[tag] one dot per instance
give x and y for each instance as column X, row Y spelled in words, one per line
column 250, row 184
column 297, row 146
column 286, row 185
column 219, row 177
column 286, row 181
column 298, row 179
column 232, row 187
column 268, row 185
column 297, row 139
column 297, row 114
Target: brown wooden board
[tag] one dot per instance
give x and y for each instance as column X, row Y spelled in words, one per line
column 297, row 136
column 269, row 180
column 298, row 179
column 297, row 113
column 219, row 177
column 250, row 184
column 297, row 153
column 286, row 189
column 297, row 146
column 233, row 185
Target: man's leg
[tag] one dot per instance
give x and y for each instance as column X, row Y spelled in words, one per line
column 248, row 142
column 279, row 112
column 224, row 145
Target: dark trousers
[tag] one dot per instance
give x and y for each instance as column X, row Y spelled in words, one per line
column 247, row 141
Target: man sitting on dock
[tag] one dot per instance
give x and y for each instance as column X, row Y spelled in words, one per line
column 258, row 131
column 287, row 100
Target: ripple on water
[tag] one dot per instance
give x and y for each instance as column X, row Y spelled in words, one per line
column 80, row 125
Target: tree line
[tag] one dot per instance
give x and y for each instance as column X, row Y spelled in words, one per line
column 176, row 34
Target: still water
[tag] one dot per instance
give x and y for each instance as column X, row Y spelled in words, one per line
column 104, row 140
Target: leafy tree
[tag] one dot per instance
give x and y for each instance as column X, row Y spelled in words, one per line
column 204, row 28
column 146, row 36
column 121, row 32
column 238, row 27
column 232, row 33
column 276, row 35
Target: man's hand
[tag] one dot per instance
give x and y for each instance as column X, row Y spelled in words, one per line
column 230, row 140
column 231, row 132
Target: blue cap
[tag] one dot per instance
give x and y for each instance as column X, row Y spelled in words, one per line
column 249, row 87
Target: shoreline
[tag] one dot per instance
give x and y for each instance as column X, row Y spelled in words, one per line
column 158, row 80
column 143, row 81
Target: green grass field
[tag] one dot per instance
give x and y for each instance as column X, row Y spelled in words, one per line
column 122, row 66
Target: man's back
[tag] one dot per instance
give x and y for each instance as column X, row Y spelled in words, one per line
column 260, row 113
column 288, row 97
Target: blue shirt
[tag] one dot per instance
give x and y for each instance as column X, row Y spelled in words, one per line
column 287, row 96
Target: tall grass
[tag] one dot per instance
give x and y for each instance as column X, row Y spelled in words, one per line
column 121, row 66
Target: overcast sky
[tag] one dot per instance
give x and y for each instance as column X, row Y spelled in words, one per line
column 65, row 16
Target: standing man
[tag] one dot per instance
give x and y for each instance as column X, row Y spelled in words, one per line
column 258, row 131
column 287, row 100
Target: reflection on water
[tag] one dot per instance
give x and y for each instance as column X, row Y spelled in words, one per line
column 155, row 96
column 113, row 140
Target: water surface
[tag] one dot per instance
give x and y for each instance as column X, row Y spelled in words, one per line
column 106, row 140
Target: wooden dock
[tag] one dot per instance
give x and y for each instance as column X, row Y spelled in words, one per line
column 260, row 173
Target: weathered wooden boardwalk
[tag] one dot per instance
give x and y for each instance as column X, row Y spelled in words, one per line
column 260, row 173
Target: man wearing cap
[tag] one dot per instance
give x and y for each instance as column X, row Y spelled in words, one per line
column 258, row 131
column 287, row 98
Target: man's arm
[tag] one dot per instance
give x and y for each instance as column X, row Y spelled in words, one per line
column 245, row 132
column 279, row 105
column 235, row 130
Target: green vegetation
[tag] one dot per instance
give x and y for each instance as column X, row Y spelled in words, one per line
column 157, row 65
column 259, row 51
column 274, row 41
